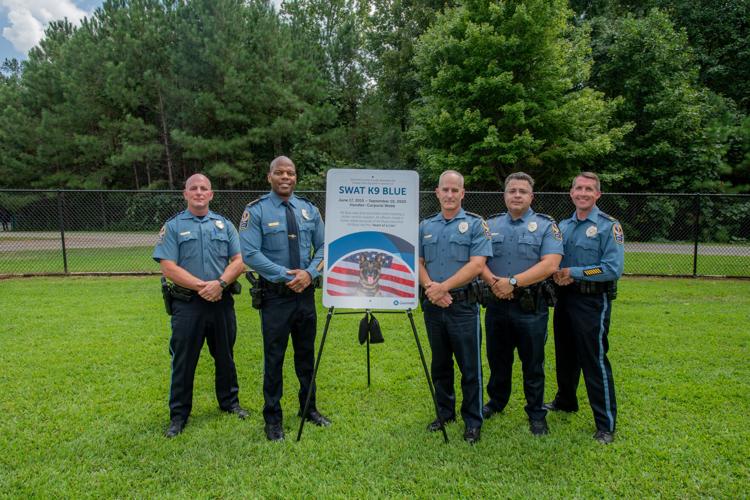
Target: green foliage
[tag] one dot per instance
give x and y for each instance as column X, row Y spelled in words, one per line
column 503, row 90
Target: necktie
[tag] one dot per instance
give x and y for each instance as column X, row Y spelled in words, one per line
column 293, row 231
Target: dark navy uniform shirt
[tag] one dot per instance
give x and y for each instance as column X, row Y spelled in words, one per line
column 201, row 246
column 594, row 247
column 265, row 241
column 519, row 244
column 446, row 245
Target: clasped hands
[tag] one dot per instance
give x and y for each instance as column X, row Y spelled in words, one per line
column 562, row 277
column 438, row 294
column 210, row 290
column 301, row 280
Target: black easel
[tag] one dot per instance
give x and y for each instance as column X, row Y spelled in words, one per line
column 320, row 354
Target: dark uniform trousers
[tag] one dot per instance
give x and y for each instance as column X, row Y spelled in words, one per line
column 192, row 322
column 509, row 328
column 581, row 323
column 280, row 316
column 450, row 330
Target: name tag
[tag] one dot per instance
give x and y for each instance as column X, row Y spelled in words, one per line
column 273, row 224
column 427, row 236
column 184, row 233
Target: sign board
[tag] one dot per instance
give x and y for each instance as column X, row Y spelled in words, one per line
column 371, row 239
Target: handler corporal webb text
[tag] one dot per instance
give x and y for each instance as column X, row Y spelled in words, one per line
column 199, row 252
column 281, row 235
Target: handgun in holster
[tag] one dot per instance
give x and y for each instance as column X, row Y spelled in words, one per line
column 527, row 299
column 165, row 293
column 256, row 292
column 549, row 292
column 612, row 290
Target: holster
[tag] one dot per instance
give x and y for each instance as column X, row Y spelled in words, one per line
column 527, row 297
column 256, row 292
column 166, row 295
column 549, row 292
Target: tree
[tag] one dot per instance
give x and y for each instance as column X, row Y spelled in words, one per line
column 676, row 144
column 503, row 89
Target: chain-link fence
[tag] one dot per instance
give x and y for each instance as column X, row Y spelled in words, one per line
column 52, row 232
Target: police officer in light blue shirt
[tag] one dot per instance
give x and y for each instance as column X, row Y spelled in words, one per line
column 527, row 249
column 593, row 262
column 454, row 245
column 281, row 235
column 199, row 251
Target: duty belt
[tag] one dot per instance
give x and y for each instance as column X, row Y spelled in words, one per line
column 463, row 295
column 279, row 289
column 593, row 287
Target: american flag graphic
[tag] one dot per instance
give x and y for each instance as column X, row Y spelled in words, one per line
column 396, row 279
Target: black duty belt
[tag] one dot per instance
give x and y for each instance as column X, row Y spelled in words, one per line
column 463, row 295
column 279, row 289
column 592, row 287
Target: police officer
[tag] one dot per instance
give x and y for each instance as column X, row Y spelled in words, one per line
column 281, row 235
column 594, row 260
column 199, row 250
column 454, row 245
column 527, row 249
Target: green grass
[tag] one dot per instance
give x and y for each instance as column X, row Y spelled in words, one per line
column 84, row 370
column 674, row 264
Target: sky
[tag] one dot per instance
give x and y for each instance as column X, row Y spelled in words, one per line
column 22, row 22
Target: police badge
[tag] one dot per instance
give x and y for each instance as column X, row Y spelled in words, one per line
column 219, row 224
column 463, row 227
column 532, row 226
column 306, row 214
column 591, row 231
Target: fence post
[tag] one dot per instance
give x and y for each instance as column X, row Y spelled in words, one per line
column 61, row 218
column 696, row 231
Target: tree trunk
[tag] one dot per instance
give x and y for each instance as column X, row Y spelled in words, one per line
column 135, row 176
column 165, row 140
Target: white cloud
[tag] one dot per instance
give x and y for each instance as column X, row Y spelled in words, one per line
column 29, row 18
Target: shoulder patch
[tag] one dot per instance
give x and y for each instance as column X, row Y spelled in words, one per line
column 162, row 232
column 245, row 218
column 593, row 271
column 486, row 229
column 618, row 234
column 556, row 233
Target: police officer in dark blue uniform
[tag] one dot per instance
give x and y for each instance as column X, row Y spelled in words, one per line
column 281, row 235
column 199, row 250
column 527, row 248
column 594, row 260
column 454, row 246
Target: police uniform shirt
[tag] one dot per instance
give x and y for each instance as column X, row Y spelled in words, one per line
column 202, row 246
column 519, row 244
column 447, row 245
column 265, row 241
column 594, row 247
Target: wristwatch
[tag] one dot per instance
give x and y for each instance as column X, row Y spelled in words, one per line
column 223, row 283
column 513, row 281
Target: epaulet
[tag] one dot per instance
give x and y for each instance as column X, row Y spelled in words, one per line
column 473, row 214
column 304, row 199
column 607, row 216
column 431, row 216
column 545, row 216
column 174, row 216
column 255, row 201
column 496, row 215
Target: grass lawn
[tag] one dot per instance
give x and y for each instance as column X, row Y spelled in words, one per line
column 84, row 370
column 675, row 264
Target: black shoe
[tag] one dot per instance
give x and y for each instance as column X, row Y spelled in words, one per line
column 274, row 432
column 316, row 418
column 435, row 426
column 604, row 437
column 554, row 405
column 488, row 411
column 538, row 427
column 241, row 413
column 176, row 426
column 472, row 434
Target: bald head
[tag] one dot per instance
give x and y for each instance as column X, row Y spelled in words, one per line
column 281, row 161
column 196, row 178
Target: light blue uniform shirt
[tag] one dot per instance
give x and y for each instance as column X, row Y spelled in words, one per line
column 446, row 245
column 519, row 244
column 265, row 241
column 202, row 247
column 594, row 247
